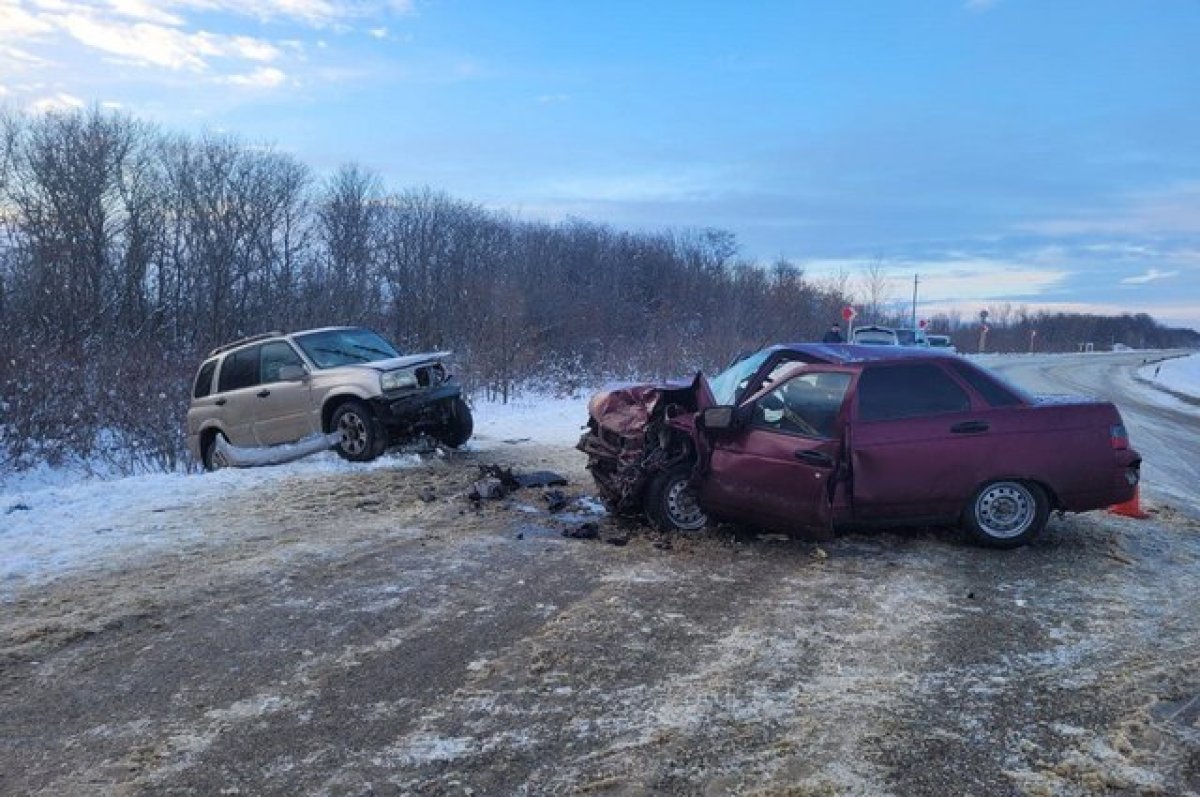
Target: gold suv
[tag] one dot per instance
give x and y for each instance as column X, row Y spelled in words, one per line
column 275, row 389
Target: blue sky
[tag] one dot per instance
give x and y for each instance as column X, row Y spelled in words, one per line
column 1033, row 153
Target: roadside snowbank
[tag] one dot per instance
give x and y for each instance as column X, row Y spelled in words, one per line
column 1178, row 375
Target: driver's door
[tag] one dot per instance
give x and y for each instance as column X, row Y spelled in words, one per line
column 776, row 470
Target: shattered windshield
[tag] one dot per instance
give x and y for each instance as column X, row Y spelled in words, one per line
column 726, row 384
column 333, row 347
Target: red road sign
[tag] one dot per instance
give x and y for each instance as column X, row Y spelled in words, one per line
column 848, row 313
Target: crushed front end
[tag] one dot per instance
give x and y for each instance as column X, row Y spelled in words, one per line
column 634, row 432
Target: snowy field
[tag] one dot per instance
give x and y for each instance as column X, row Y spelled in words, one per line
column 53, row 521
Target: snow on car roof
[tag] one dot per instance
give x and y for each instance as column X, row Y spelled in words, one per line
column 845, row 353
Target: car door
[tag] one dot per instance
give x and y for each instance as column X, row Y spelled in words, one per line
column 778, row 469
column 918, row 442
column 237, row 382
column 282, row 410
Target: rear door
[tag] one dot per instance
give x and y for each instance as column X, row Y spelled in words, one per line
column 919, row 442
column 237, row 382
column 778, row 469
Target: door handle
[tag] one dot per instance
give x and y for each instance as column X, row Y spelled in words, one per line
column 969, row 427
column 263, row 393
column 815, row 458
column 220, row 402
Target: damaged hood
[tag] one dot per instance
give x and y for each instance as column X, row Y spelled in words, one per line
column 628, row 409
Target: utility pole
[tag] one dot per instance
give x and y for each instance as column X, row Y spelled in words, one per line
column 916, row 279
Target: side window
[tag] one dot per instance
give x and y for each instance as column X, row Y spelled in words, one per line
column 992, row 391
column 203, row 384
column 240, row 369
column 807, row 405
column 908, row 391
column 275, row 355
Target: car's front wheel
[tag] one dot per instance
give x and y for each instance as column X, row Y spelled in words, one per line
column 670, row 501
column 1006, row 514
column 362, row 436
column 459, row 424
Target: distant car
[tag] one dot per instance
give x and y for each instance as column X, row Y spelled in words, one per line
column 813, row 437
column 875, row 336
column 941, row 342
column 276, row 389
column 911, row 337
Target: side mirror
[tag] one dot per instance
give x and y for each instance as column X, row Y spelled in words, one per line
column 292, row 373
column 717, row 418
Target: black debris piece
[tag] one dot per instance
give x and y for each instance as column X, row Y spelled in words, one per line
column 555, row 500
column 18, row 508
column 584, row 531
column 502, row 474
column 428, row 495
column 540, row 478
column 618, row 541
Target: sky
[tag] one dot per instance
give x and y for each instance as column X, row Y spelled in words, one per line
column 1039, row 154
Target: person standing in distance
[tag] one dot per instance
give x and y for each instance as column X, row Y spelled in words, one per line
column 833, row 334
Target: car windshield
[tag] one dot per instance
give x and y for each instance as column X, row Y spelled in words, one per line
column 333, row 347
column 726, row 384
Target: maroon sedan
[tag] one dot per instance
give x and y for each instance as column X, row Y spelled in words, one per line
column 811, row 437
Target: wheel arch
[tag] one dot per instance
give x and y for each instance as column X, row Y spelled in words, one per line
column 331, row 404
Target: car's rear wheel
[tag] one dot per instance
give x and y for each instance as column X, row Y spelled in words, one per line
column 458, row 426
column 670, row 501
column 362, row 436
column 213, row 457
column 1006, row 514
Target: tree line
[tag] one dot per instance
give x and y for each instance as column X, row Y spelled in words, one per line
column 128, row 252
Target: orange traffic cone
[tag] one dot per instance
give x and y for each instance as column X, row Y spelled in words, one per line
column 1131, row 508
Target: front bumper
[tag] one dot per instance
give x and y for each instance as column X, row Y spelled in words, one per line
column 408, row 408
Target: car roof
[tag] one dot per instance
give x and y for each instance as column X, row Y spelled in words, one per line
column 853, row 353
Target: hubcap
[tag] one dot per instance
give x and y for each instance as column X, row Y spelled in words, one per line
column 354, row 433
column 1005, row 510
column 682, row 508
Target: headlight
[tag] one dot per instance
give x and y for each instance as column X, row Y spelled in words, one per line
column 398, row 380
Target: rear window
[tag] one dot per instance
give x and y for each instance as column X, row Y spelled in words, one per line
column 908, row 391
column 240, row 369
column 203, row 385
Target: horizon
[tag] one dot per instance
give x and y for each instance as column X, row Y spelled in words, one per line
column 1040, row 157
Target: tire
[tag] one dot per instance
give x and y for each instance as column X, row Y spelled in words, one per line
column 211, row 458
column 363, row 438
column 670, row 501
column 459, row 424
column 1006, row 514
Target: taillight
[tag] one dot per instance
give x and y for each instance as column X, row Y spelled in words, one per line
column 1118, row 437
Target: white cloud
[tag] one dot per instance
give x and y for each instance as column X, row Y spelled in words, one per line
column 145, row 12
column 961, row 279
column 1153, row 275
column 57, row 102
column 267, row 77
column 20, row 56
column 378, row 33
column 16, row 23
